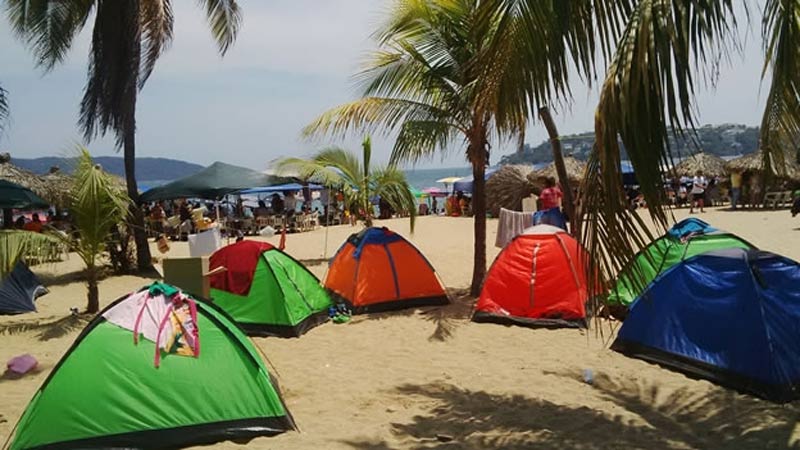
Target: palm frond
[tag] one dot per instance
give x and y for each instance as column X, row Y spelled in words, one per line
column 97, row 204
column 374, row 114
column 392, row 186
column 16, row 245
column 3, row 109
column 48, row 27
column 780, row 125
column 114, row 71
column 649, row 91
column 225, row 19
column 157, row 22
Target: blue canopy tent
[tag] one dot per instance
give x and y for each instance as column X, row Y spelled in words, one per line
column 729, row 316
column 465, row 184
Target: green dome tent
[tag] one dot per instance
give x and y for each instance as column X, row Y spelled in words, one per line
column 107, row 391
column 687, row 238
column 266, row 291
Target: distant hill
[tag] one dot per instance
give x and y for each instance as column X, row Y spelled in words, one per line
column 720, row 140
column 147, row 169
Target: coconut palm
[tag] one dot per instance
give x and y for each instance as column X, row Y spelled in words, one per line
column 358, row 181
column 3, row 108
column 465, row 73
column 128, row 37
column 666, row 49
column 97, row 205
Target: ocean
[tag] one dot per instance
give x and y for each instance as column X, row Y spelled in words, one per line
column 424, row 178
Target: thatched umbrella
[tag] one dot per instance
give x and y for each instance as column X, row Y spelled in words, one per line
column 59, row 186
column 507, row 187
column 575, row 170
column 18, row 175
column 711, row 165
column 753, row 162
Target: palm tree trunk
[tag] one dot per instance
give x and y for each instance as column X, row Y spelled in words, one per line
column 561, row 169
column 478, row 152
column 93, row 295
column 143, row 257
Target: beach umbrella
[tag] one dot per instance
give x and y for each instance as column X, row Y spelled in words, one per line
column 465, row 184
column 711, row 165
column 15, row 196
column 434, row 192
column 20, row 176
column 753, row 162
column 448, row 180
column 508, row 187
column 575, row 170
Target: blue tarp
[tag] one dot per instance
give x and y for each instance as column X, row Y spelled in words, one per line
column 730, row 316
column 294, row 187
column 19, row 289
column 690, row 226
column 465, row 184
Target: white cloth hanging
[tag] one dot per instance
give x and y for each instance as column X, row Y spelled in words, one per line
column 511, row 225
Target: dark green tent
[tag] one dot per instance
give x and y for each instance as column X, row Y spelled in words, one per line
column 266, row 291
column 665, row 252
column 15, row 196
column 213, row 182
column 203, row 383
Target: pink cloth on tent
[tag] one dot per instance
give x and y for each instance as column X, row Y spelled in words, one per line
column 170, row 322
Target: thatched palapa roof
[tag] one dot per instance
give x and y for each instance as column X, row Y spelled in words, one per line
column 59, row 186
column 711, row 165
column 754, row 162
column 18, row 175
column 575, row 169
column 507, row 187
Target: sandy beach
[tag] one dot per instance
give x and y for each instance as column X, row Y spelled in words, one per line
column 431, row 379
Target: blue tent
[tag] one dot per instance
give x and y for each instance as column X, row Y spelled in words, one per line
column 628, row 175
column 690, row 226
column 19, row 289
column 294, row 187
column 730, row 316
column 465, row 184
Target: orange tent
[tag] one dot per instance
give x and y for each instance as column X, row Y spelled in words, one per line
column 538, row 280
column 378, row 270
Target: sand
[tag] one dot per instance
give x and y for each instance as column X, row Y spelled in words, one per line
column 431, row 379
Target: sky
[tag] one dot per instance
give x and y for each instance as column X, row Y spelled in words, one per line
column 293, row 59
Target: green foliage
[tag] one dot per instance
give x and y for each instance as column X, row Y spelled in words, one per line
column 3, row 108
column 96, row 204
column 16, row 245
column 358, row 180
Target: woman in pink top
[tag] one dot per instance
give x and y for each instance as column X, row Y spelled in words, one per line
column 551, row 194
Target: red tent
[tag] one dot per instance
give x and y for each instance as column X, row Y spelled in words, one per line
column 537, row 280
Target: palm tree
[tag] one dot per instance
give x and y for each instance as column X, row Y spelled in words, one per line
column 3, row 108
column 453, row 72
column 128, row 36
column 358, row 180
column 667, row 47
column 97, row 205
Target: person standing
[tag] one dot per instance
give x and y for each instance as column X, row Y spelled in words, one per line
column 736, row 187
column 698, row 192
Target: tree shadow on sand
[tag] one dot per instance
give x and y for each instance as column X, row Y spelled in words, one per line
column 48, row 329
column 466, row 419
column 445, row 318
